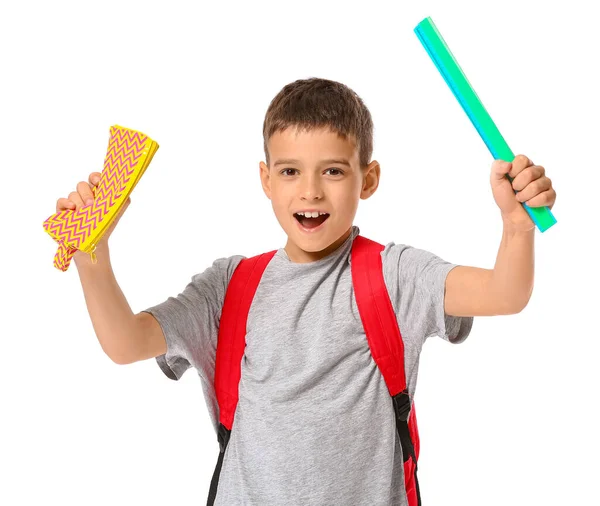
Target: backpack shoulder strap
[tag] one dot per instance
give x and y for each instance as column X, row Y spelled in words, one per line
column 230, row 349
column 387, row 348
column 232, row 332
column 377, row 313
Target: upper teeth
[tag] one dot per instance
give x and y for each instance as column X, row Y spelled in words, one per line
column 314, row 214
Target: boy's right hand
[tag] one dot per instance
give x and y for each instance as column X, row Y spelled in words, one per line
column 82, row 197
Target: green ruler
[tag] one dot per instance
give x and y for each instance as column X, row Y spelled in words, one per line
column 447, row 65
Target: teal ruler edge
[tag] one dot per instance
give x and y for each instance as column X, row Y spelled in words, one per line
column 442, row 57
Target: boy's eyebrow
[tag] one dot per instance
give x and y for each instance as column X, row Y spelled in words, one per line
column 341, row 161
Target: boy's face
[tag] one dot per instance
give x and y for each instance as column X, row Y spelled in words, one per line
column 312, row 183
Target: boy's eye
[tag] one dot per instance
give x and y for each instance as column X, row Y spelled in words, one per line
column 332, row 168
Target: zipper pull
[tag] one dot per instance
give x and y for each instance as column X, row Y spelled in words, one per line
column 93, row 256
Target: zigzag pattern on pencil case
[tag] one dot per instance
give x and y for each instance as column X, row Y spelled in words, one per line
column 72, row 228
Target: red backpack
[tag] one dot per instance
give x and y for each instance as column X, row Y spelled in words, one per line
column 381, row 329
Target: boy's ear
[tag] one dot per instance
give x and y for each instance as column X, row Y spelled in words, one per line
column 370, row 179
column 265, row 179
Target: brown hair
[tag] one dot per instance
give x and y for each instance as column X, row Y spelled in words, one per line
column 317, row 103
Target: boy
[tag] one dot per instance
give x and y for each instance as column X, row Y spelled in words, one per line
column 314, row 424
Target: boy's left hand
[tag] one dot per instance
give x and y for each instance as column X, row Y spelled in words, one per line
column 530, row 181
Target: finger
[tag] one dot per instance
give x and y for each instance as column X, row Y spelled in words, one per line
column 76, row 199
column 94, row 178
column 85, row 190
column 552, row 197
column 519, row 163
column 542, row 199
column 527, row 175
column 63, row 203
column 534, row 188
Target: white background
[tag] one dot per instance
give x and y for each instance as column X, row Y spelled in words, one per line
column 508, row 417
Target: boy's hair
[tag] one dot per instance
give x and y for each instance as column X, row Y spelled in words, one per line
column 316, row 103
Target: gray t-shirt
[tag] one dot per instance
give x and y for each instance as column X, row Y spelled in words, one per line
column 314, row 424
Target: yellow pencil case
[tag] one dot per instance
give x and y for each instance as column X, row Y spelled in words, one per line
column 127, row 158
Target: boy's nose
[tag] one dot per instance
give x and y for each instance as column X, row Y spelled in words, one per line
column 311, row 188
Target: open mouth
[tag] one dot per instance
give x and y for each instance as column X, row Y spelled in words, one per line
column 311, row 222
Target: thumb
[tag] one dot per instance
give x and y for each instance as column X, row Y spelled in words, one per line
column 500, row 169
column 124, row 206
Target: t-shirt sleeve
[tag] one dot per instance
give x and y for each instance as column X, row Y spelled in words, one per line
column 419, row 293
column 190, row 321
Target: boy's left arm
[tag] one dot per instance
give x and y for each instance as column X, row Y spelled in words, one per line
column 505, row 289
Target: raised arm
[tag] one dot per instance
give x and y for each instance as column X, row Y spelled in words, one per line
column 507, row 288
column 123, row 336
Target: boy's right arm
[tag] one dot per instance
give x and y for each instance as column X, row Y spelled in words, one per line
column 124, row 336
